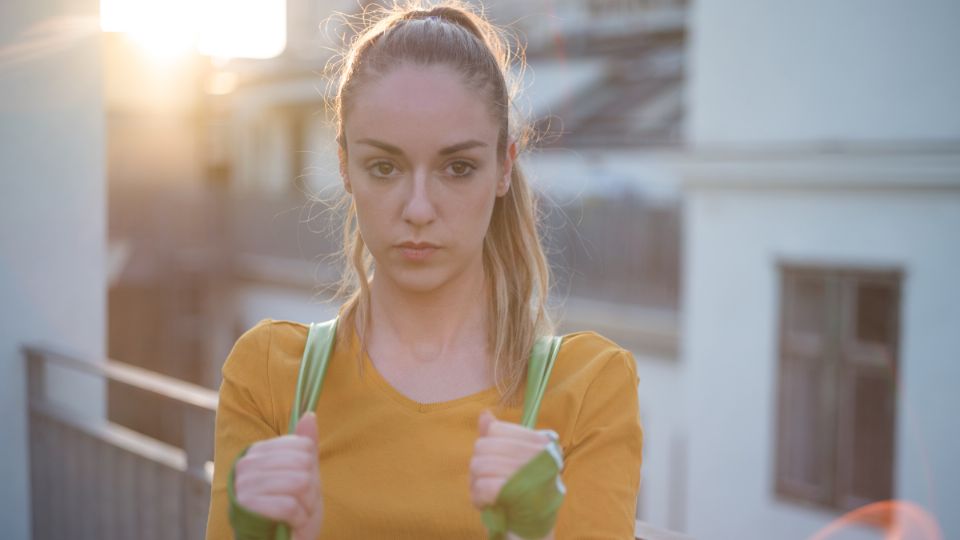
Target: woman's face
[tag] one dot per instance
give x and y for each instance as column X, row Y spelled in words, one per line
column 423, row 169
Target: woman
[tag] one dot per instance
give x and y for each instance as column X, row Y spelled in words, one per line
column 416, row 429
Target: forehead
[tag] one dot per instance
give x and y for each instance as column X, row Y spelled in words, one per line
column 419, row 104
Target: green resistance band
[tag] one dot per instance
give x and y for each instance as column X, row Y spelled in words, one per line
column 249, row 525
column 528, row 503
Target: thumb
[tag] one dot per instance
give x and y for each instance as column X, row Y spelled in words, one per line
column 486, row 418
column 307, row 427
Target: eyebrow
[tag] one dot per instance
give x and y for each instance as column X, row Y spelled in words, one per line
column 391, row 149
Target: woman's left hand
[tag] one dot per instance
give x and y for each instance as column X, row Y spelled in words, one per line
column 501, row 450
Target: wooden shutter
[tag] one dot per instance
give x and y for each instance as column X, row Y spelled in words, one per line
column 865, row 450
column 839, row 334
column 806, row 379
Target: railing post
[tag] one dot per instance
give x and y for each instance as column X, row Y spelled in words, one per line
column 198, row 427
column 36, row 377
column 36, row 391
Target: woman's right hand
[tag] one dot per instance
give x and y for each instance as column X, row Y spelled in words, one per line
column 280, row 478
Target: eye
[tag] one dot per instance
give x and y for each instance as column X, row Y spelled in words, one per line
column 382, row 169
column 460, row 169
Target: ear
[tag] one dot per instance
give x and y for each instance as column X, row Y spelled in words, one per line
column 342, row 157
column 503, row 185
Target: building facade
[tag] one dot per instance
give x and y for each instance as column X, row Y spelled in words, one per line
column 52, row 221
column 821, row 207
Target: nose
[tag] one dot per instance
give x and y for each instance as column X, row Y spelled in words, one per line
column 418, row 209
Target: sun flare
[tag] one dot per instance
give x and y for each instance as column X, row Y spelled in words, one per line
column 220, row 28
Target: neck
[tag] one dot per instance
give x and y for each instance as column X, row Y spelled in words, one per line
column 426, row 327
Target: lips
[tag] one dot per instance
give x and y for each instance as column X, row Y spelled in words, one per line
column 417, row 251
column 417, row 245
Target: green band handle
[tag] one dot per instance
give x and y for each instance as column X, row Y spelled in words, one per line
column 249, row 525
column 313, row 367
column 526, row 505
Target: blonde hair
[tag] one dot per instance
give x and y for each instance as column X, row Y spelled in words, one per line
column 514, row 263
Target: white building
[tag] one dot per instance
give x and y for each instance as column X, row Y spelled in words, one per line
column 821, row 310
column 52, row 220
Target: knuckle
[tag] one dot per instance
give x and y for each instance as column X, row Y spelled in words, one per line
column 242, row 480
column 287, row 507
column 304, row 442
column 300, row 483
column 251, row 501
column 481, row 445
column 240, row 485
column 489, row 489
column 247, row 465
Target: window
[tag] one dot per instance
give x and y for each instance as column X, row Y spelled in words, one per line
column 839, row 332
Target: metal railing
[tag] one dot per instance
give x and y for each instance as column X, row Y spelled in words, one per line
column 93, row 479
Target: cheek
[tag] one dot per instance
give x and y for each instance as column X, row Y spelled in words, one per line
column 373, row 216
column 475, row 222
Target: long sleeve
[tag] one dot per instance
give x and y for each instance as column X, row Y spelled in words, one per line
column 245, row 414
column 602, row 465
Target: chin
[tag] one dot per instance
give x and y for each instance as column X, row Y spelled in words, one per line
column 415, row 279
column 425, row 276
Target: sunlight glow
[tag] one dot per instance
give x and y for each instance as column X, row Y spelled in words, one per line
column 243, row 28
column 890, row 520
column 221, row 28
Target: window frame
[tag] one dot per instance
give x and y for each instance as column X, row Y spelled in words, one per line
column 838, row 362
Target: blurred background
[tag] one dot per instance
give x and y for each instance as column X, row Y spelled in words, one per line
column 759, row 198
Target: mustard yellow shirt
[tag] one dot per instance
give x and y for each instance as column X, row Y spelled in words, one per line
column 391, row 467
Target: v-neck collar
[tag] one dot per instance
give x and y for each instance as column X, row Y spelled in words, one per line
column 373, row 376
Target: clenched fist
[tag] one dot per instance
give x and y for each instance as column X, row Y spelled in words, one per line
column 279, row 478
column 501, row 449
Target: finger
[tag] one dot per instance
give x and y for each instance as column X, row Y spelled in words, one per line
column 519, row 449
column 550, row 435
column 500, row 466
column 277, row 508
column 273, row 482
column 291, row 442
column 278, row 460
column 303, row 487
column 307, row 427
column 500, row 428
column 484, row 491
column 486, row 418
